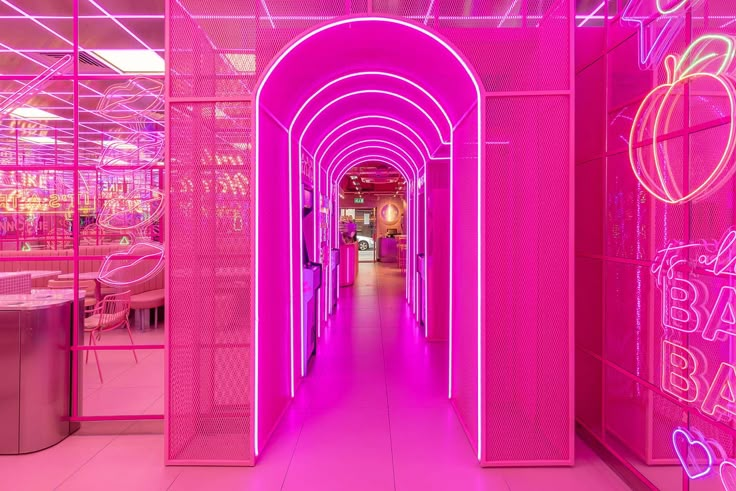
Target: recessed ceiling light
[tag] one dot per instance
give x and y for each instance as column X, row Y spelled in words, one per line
column 33, row 113
column 132, row 60
column 242, row 62
column 42, row 140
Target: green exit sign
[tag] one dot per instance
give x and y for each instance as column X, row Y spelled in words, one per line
column 358, row 200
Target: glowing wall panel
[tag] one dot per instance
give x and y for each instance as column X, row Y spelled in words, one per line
column 625, row 298
column 465, row 248
column 438, row 248
column 527, row 285
column 210, row 326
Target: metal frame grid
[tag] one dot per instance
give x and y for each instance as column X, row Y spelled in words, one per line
column 49, row 54
column 249, row 36
column 620, row 228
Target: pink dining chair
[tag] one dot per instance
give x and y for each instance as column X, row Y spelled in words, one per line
column 110, row 313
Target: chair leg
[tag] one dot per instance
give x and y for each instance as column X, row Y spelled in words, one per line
column 155, row 318
column 97, row 358
column 130, row 335
column 89, row 343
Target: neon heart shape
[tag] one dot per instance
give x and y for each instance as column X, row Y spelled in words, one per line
column 120, row 270
column 728, row 475
column 687, row 448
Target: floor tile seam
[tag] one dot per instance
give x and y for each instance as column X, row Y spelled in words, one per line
column 296, row 445
column 86, row 462
column 385, row 381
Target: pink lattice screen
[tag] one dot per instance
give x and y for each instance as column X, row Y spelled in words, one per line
column 649, row 248
column 210, row 254
column 511, row 375
column 527, row 282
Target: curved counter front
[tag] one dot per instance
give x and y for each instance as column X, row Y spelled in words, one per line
column 348, row 263
column 35, row 360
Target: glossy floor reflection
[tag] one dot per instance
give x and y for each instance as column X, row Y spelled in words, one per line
column 372, row 415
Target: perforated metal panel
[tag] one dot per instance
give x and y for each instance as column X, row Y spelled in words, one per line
column 210, row 404
column 527, row 383
column 639, row 416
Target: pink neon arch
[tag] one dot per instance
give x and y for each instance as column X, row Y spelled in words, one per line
column 467, row 76
column 397, row 148
column 315, row 176
column 371, row 127
column 387, row 75
column 411, row 205
column 411, row 199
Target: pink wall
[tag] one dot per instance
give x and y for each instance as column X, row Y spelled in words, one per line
column 465, row 248
column 517, row 89
column 438, row 249
column 622, row 326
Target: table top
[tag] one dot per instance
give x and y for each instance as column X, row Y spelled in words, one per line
column 37, row 299
column 39, row 274
column 93, row 275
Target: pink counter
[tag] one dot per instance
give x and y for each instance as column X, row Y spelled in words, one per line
column 348, row 263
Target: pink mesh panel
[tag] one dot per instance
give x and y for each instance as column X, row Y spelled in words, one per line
column 588, row 392
column 639, row 418
column 506, row 57
column 210, row 407
column 528, row 403
column 465, row 272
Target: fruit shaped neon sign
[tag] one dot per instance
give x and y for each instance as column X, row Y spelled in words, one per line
column 702, row 68
column 654, row 41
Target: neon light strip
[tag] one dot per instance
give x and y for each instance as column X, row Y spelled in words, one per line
column 429, row 12
column 405, row 155
column 366, row 127
column 268, row 14
column 474, row 81
column 35, row 21
column 333, row 165
column 33, row 87
column 506, row 15
column 324, row 108
column 411, row 239
column 380, row 92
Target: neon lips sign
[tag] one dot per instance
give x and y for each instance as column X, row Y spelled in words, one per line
column 688, row 309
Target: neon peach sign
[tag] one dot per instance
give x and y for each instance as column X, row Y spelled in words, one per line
column 687, row 308
column 655, row 147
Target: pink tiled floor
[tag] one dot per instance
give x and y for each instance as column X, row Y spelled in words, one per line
column 372, row 415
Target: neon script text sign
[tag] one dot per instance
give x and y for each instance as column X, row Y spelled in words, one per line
column 688, row 307
column 656, row 140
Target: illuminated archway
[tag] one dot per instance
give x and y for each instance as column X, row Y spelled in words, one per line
column 285, row 114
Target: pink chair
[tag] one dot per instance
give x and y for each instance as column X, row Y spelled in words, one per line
column 110, row 313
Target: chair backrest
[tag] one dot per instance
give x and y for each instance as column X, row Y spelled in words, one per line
column 113, row 310
column 87, row 285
